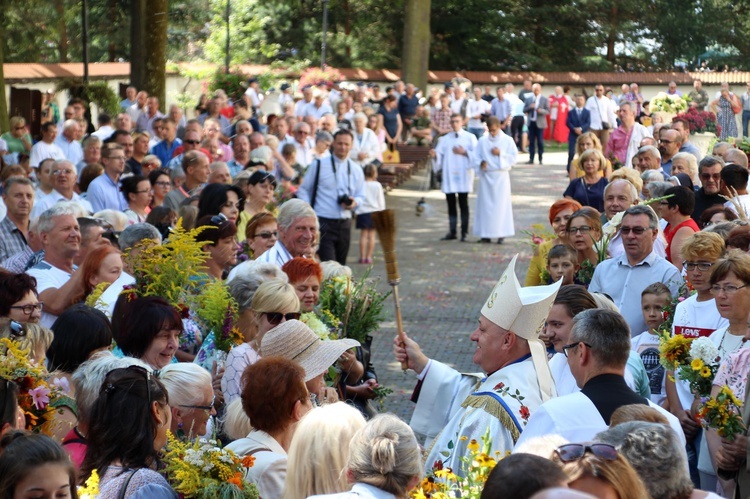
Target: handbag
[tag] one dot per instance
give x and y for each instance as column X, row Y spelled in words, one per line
column 736, row 106
column 391, row 155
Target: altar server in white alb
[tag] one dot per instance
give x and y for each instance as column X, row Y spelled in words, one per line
column 597, row 355
column 453, row 155
column 454, row 408
column 493, row 157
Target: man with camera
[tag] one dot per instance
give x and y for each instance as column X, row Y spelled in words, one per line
column 334, row 187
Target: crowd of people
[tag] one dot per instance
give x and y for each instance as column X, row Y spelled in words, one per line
column 159, row 273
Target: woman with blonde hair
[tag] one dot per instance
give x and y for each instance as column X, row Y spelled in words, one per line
column 598, row 469
column 684, row 162
column 585, row 142
column 317, row 456
column 384, row 458
column 589, row 189
column 274, row 302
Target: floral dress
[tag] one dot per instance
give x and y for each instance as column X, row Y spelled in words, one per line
column 727, row 122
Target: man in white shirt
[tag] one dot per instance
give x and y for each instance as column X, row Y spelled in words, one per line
column 105, row 127
column 135, row 110
column 46, row 148
column 476, row 109
column 303, row 143
column 307, row 98
column 603, row 118
column 298, row 227
column 67, row 142
column 64, row 178
column 334, row 187
column 58, row 279
column 318, row 107
column 460, row 104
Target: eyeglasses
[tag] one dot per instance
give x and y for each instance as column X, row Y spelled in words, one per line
column 573, row 452
column 664, row 203
column 583, row 229
column 267, row 235
column 67, row 171
column 573, row 345
column 302, row 132
column 635, row 230
column 729, row 290
column 144, row 192
column 708, row 176
column 702, row 266
column 163, row 184
column 274, row 318
column 20, row 127
column 192, row 142
column 30, row 308
column 207, row 408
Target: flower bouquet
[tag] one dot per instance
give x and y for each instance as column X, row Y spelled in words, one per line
column 695, row 360
column 202, row 470
column 722, row 414
column 90, row 489
column 323, row 323
column 674, row 351
column 443, row 483
column 538, row 234
column 216, row 311
column 700, row 121
column 37, row 396
column 668, row 103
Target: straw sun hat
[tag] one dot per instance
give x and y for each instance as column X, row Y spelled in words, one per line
column 295, row 341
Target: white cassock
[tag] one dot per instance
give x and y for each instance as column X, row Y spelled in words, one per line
column 366, row 143
column 452, row 405
column 458, row 172
column 493, row 216
column 575, row 418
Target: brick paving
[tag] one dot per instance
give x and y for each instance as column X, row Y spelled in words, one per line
column 445, row 283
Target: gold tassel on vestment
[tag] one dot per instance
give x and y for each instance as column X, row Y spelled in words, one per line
column 495, row 409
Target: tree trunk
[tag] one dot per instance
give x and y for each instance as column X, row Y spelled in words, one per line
column 3, row 102
column 416, row 50
column 62, row 44
column 612, row 35
column 156, row 50
column 111, row 48
column 137, row 43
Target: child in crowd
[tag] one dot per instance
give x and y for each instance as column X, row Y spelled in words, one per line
column 562, row 263
column 734, row 179
column 289, row 153
column 374, row 201
column 653, row 300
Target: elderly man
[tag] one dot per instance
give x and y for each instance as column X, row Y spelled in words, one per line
column 241, row 151
column 129, row 100
column 698, row 96
column 57, row 279
column 672, row 89
column 123, row 122
column 46, row 148
column 682, row 126
column 623, row 278
column 104, row 192
column 597, row 355
column 736, row 156
column 219, row 173
column 195, row 166
column 709, row 173
column 307, row 98
column 95, row 233
column 145, row 121
column 213, row 111
column 18, row 196
column 670, row 142
column 453, row 155
column 625, row 139
column 536, row 108
column 178, row 118
column 334, row 187
column 92, row 152
column 318, row 107
column 407, row 108
column 636, row 98
column 303, row 143
column 455, row 409
column 67, row 142
column 298, row 228
column 136, row 109
column 649, row 158
column 64, row 177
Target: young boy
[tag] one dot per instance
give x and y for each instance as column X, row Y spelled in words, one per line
column 736, row 176
column 289, row 153
column 374, row 201
column 562, row 263
column 653, row 300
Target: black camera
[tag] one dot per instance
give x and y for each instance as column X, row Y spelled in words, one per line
column 345, row 200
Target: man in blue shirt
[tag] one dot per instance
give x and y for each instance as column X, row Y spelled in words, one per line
column 334, row 187
column 407, row 108
column 165, row 149
column 104, row 192
column 500, row 109
column 130, row 100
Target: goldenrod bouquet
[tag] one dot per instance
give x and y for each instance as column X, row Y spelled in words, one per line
column 202, row 470
column 443, row 483
column 37, row 396
column 722, row 414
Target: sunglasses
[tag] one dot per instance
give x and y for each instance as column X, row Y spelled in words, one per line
column 274, row 318
column 192, row 142
column 207, row 408
column 573, row 452
column 109, row 387
column 267, row 235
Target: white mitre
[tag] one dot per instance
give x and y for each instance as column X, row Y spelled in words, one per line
column 523, row 311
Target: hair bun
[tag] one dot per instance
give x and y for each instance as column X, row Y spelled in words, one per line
column 384, row 453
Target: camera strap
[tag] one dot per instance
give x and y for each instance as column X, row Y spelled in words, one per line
column 314, row 194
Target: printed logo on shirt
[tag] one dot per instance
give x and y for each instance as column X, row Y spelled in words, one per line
column 654, row 369
column 693, row 332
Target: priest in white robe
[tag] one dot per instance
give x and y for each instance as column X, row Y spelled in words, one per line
column 597, row 353
column 453, row 161
column 455, row 408
column 494, row 156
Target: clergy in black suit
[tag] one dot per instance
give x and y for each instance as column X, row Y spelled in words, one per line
column 578, row 122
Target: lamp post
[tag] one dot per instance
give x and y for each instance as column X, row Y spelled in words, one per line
column 226, row 63
column 325, row 32
column 85, row 40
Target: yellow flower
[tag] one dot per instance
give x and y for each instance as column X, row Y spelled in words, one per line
column 705, row 372
column 464, row 438
column 446, row 473
column 473, row 445
column 696, row 364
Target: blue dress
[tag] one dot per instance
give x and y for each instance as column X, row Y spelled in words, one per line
column 587, row 194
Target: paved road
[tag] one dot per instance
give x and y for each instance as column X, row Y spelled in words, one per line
column 444, row 284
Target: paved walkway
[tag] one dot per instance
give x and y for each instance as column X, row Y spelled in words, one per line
column 444, row 284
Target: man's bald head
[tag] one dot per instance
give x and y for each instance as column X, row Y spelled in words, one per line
column 736, row 156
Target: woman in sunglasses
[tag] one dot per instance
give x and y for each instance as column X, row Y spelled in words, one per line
column 191, row 398
column 258, row 193
column 273, row 303
column 262, row 232
column 18, row 298
column 128, row 428
column 161, row 185
column 599, row 470
column 219, row 236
